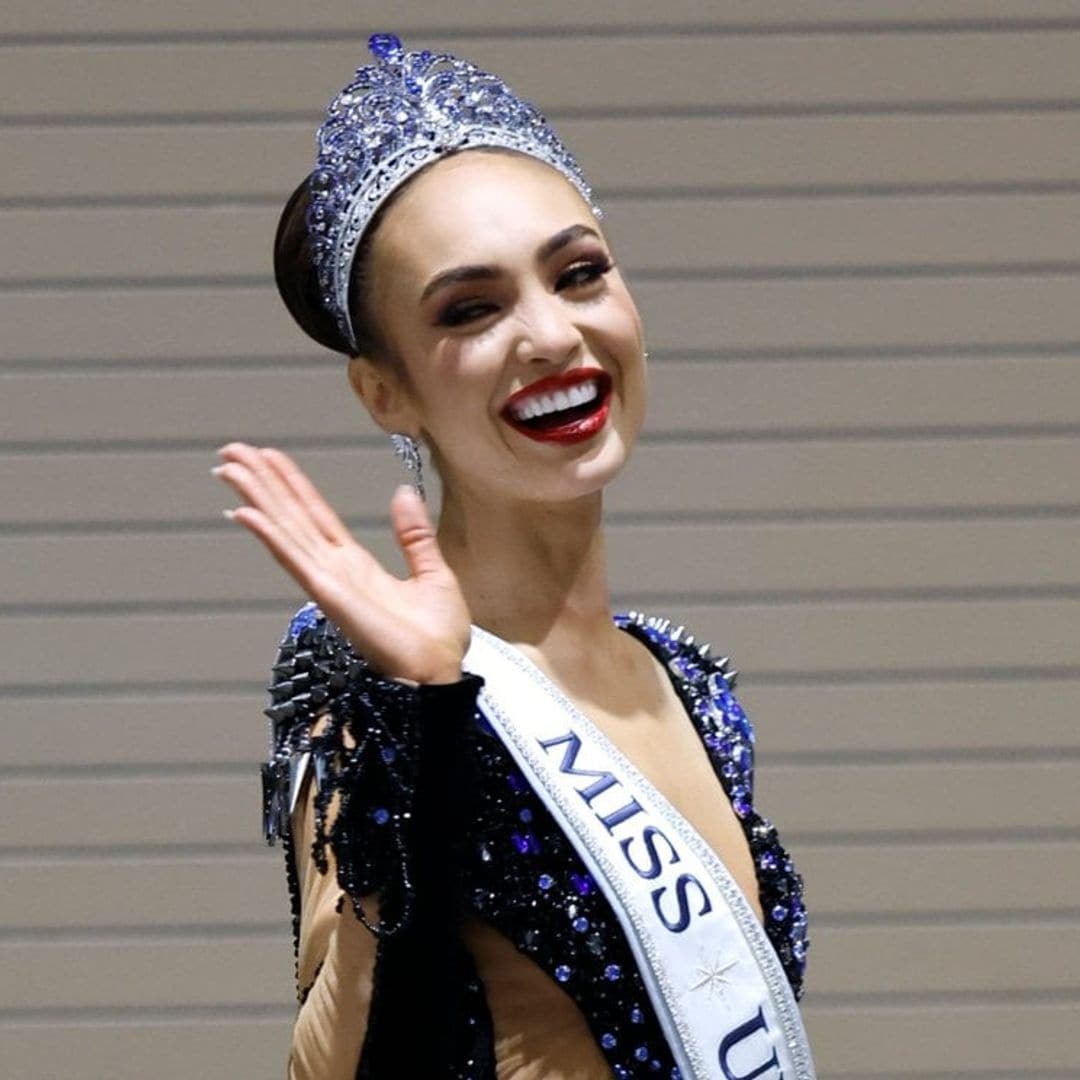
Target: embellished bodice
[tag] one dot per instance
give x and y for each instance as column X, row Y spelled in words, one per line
column 513, row 866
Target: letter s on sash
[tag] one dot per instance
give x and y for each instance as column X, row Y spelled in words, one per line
column 653, row 869
column 682, row 883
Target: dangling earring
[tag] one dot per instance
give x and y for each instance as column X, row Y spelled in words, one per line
column 408, row 449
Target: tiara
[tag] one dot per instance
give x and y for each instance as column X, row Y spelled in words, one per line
column 397, row 115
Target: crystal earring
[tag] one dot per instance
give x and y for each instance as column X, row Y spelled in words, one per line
column 408, row 449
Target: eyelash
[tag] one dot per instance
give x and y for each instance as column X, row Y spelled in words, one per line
column 593, row 270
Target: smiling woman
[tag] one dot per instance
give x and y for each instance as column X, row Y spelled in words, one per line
column 519, row 828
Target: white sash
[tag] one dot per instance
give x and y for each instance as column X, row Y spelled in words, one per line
column 716, row 983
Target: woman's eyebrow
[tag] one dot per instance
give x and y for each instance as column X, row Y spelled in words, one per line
column 459, row 273
column 562, row 238
column 486, row 273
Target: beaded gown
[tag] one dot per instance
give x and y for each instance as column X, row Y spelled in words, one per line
column 419, row 802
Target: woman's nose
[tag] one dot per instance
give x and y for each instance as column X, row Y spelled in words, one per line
column 548, row 330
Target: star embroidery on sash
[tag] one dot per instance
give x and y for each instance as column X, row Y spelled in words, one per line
column 713, row 975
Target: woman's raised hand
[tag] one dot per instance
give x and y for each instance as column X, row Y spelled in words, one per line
column 416, row 628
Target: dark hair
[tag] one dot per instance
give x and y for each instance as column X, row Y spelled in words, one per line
column 298, row 281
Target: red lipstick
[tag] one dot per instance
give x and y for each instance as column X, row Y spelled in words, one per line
column 572, row 423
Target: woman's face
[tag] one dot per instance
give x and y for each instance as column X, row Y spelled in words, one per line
column 495, row 288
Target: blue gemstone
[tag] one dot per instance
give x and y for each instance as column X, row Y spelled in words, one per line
column 778, row 913
column 636, row 1015
column 642, row 1053
column 385, row 46
column 740, row 805
column 622, row 1073
column 545, row 881
column 607, row 1040
column 612, row 972
column 580, row 924
column 388, row 754
column 562, row 973
column 305, row 618
column 712, row 741
column 380, row 815
column 655, row 1066
column 525, row 815
column 581, row 882
column 767, row 861
column 520, row 843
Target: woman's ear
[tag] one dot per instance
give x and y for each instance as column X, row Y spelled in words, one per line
column 383, row 392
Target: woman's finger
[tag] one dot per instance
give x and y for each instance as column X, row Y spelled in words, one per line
column 318, row 509
column 283, row 547
column 253, row 478
column 414, row 534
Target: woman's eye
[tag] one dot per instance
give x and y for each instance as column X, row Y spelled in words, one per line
column 459, row 314
column 584, row 273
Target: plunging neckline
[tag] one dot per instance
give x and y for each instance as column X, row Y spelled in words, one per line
column 681, row 685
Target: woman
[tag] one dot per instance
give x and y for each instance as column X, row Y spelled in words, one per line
column 519, row 830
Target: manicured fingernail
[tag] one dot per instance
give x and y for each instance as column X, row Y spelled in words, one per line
column 230, row 514
column 217, row 470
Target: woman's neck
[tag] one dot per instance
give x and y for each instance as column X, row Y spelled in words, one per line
column 534, row 574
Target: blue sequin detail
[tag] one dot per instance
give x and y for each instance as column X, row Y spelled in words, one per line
column 380, row 815
column 612, row 972
column 583, row 883
column 304, row 619
column 607, row 1040
column 545, row 881
column 562, row 973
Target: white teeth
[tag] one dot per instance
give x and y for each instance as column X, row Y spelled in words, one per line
column 542, row 404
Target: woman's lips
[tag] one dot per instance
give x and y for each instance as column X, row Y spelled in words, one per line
column 573, row 422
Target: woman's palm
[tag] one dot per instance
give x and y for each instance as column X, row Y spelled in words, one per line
column 415, row 628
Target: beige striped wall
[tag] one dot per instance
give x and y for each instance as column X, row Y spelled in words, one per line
column 854, row 229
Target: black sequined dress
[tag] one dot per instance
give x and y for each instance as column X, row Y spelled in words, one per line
column 436, row 818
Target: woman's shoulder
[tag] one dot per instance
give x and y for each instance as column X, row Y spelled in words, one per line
column 677, row 647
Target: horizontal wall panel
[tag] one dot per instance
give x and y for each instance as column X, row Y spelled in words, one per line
column 159, row 811
column 905, row 880
column 936, row 1039
column 797, row 475
column 203, row 16
column 885, row 881
column 1001, row 311
column 221, row 566
column 739, row 395
column 924, row 717
column 824, row 637
column 945, row 959
column 210, row 1047
column 899, row 798
column 161, row 730
column 255, row 970
column 811, row 799
column 267, row 160
column 165, row 891
column 733, row 236
column 927, row 717
column 108, row 974
column 594, row 71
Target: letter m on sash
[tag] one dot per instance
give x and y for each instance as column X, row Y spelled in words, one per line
column 571, row 744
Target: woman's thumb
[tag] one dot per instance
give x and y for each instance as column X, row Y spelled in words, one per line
column 414, row 532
